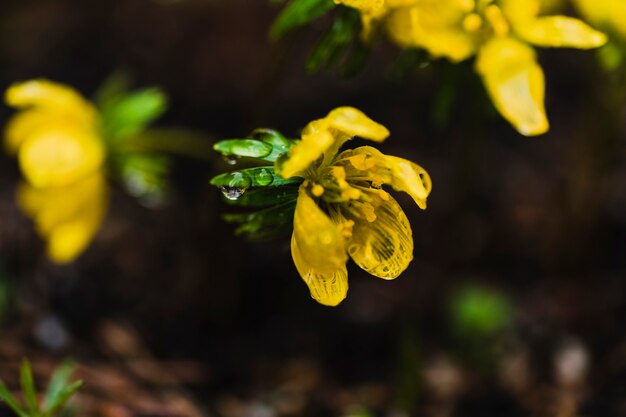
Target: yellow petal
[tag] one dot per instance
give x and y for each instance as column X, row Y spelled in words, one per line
column 60, row 154
column 515, row 83
column 610, row 14
column 433, row 26
column 383, row 247
column 366, row 6
column 517, row 11
column 402, row 174
column 66, row 217
column 353, row 122
column 328, row 288
column 22, row 125
column 561, row 31
column 321, row 243
column 316, row 139
column 45, row 94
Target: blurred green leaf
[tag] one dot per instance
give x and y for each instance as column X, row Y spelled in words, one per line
column 62, row 398
column 330, row 48
column 298, row 13
column 480, row 311
column 28, row 388
column 129, row 114
column 9, row 399
column 58, row 381
column 144, row 176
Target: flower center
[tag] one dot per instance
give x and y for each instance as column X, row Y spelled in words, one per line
column 483, row 17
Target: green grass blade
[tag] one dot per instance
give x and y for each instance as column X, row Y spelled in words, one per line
column 9, row 399
column 28, row 388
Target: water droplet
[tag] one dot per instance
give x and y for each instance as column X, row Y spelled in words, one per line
column 230, row 159
column 264, row 177
column 232, row 193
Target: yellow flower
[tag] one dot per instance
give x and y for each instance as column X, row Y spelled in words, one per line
column 55, row 136
column 500, row 33
column 610, row 14
column 342, row 209
column 66, row 217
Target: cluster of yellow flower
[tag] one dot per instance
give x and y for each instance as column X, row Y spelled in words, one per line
column 55, row 137
column 498, row 32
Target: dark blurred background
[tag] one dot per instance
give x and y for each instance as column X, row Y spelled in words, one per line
column 513, row 306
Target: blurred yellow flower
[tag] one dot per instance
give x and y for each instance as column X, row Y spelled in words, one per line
column 499, row 33
column 55, row 136
column 342, row 209
column 610, row 14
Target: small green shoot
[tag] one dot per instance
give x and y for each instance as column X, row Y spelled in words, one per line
column 55, row 399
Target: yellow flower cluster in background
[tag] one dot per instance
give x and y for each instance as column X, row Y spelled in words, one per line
column 55, row 136
column 498, row 32
column 609, row 14
column 342, row 209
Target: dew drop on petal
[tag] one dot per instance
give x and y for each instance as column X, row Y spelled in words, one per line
column 230, row 159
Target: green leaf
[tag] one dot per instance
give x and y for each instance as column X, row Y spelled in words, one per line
column 280, row 144
column 144, row 176
column 299, row 13
column 341, row 33
column 130, row 114
column 253, row 177
column 250, row 148
column 116, row 86
column 28, row 388
column 267, row 196
column 57, row 382
column 62, row 398
column 264, row 223
column 9, row 399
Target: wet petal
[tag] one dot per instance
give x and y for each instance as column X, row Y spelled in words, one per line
column 515, row 83
column 321, row 243
column 316, row 139
column 328, row 288
column 561, row 31
column 60, row 154
column 353, row 122
column 403, row 175
column 382, row 247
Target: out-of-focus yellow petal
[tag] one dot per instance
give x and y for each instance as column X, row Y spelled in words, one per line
column 519, row 11
column 22, row 125
column 515, row 83
column 353, row 122
column 382, row 247
column 610, row 14
column 561, row 31
column 435, row 27
column 59, row 154
column 402, row 174
column 45, row 94
column 328, row 288
column 366, row 6
column 66, row 217
column 320, row 241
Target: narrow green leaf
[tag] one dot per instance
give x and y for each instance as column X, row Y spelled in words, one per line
column 266, row 196
column 113, row 89
column 263, row 223
column 62, row 398
column 28, row 388
column 250, row 148
column 9, row 399
column 299, row 13
column 57, row 382
column 253, row 177
column 280, row 144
